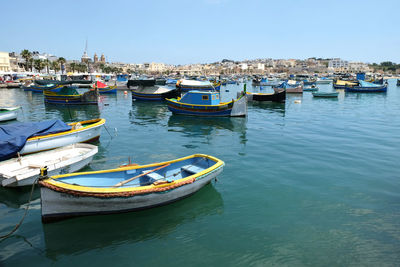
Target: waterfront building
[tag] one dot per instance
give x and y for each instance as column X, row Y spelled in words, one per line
column 5, row 62
column 337, row 63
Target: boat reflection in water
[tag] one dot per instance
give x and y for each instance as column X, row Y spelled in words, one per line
column 87, row 233
column 73, row 113
column 16, row 197
column 145, row 112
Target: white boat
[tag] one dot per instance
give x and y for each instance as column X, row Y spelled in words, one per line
column 323, row 81
column 83, row 131
column 25, row 170
column 8, row 113
column 127, row 188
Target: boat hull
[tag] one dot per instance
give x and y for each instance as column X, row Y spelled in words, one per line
column 58, row 140
column 88, row 98
column 9, row 115
column 58, row 206
column 294, row 90
column 359, row 89
column 154, row 97
column 325, row 95
column 68, row 166
column 275, row 97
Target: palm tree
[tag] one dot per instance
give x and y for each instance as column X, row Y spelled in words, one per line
column 26, row 55
column 61, row 61
column 72, row 66
column 55, row 66
column 30, row 63
column 38, row 64
column 47, row 64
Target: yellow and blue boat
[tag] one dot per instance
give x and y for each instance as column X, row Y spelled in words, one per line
column 198, row 103
column 127, row 188
column 367, row 87
column 70, row 96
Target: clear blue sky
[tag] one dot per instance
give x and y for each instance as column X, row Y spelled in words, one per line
column 181, row 32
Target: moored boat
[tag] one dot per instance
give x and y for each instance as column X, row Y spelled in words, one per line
column 325, row 94
column 126, row 189
column 104, row 88
column 367, row 87
column 25, row 170
column 31, row 137
column 189, row 85
column 199, row 103
column 70, row 96
column 323, row 80
column 272, row 97
column 290, row 87
column 8, row 113
column 341, row 84
column 154, row 93
column 310, row 88
column 141, row 82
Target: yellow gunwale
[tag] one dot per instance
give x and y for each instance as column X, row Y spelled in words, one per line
column 53, row 180
column 221, row 104
column 99, row 122
column 259, row 93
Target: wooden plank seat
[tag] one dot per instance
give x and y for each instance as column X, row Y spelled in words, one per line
column 192, row 169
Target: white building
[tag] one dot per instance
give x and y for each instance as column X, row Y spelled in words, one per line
column 5, row 62
column 337, row 63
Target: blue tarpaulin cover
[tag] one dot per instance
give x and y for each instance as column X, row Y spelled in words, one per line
column 13, row 136
column 367, row 84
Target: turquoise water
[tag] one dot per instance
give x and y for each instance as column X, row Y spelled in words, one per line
column 314, row 183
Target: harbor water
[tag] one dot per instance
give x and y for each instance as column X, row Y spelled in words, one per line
column 308, row 183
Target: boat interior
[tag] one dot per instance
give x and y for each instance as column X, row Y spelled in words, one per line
column 145, row 175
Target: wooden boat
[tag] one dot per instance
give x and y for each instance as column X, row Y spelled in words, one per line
column 104, row 88
column 25, row 170
column 273, row 97
column 9, row 113
column 141, row 82
column 41, row 88
column 323, row 80
column 290, row 87
column 83, row 131
column 366, row 87
column 155, row 93
column 70, row 96
column 325, row 94
column 189, row 85
column 198, row 103
column 126, row 189
column 310, row 88
column 341, row 84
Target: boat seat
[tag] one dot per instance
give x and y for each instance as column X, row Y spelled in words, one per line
column 192, row 169
column 154, row 175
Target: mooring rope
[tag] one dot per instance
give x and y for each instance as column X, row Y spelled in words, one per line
column 3, row 237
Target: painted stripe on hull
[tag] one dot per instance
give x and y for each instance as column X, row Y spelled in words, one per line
column 226, row 112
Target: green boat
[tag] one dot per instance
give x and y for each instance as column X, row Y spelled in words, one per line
column 325, row 94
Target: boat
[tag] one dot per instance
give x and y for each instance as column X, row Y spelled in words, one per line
column 311, row 88
column 40, row 88
column 188, row 85
column 325, row 94
column 171, row 81
column 341, row 84
column 141, row 82
column 23, row 171
column 199, row 103
column 155, row 93
column 8, row 113
column 267, row 82
column 367, row 87
column 104, row 88
column 31, row 137
column 290, row 87
column 125, row 189
column 323, row 80
column 273, row 97
column 70, row 96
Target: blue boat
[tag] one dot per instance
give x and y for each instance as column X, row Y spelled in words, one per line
column 41, row 88
column 126, row 188
column 367, row 87
column 198, row 103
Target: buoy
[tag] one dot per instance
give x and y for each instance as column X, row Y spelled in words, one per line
column 125, row 92
column 297, row 101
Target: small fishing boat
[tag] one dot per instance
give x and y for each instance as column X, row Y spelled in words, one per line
column 311, row 88
column 323, row 80
column 341, row 84
column 290, row 87
column 272, row 97
column 199, row 103
column 23, row 171
column 70, row 96
column 154, row 93
column 189, row 85
column 31, row 137
column 141, row 82
column 325, row 94
column 8, row 113
column 126, row 189
column 104, row 88
column 40, row 88
column 367, row 87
